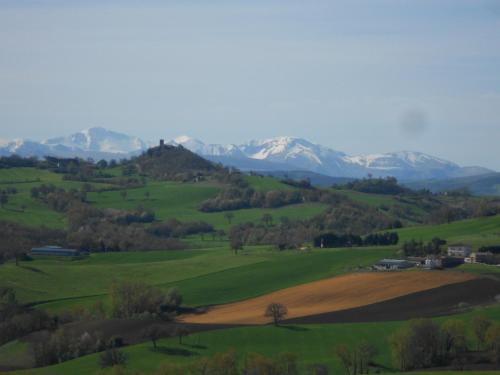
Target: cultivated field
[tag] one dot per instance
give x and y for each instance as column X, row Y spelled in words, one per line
column 338, row 293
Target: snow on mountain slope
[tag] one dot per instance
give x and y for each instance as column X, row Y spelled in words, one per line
column 401, row 159
column 280, row 153
column 99, row 140
column 301, row 154
column 198, row 147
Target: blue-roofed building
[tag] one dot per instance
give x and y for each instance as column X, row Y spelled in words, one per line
column 55, row 251
column 393, row 264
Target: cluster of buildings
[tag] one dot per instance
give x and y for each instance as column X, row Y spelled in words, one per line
column 456, row 254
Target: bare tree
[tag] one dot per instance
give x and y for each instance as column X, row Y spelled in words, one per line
column 153, row 333
column 4, row 199
column 277, row 311
column 181, row 331
column 267, row 219
column 229, row 217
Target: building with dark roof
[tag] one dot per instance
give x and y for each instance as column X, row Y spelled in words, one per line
column 393, row 264
column 55, row 251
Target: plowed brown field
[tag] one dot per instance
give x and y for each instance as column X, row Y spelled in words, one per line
column 338, row 293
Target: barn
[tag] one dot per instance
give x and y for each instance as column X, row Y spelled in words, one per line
column 55, row 251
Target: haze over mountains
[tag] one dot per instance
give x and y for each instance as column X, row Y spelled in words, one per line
column 274, row 154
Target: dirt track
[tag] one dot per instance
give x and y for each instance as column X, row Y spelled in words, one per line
column 324, row 296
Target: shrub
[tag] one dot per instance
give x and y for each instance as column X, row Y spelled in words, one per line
column 112, row 357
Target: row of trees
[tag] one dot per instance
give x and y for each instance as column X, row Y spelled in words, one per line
column 420, row 249
column 423, row 343
column 235, row 199
column 129, row 299
column 347, row 240
column 388, row 185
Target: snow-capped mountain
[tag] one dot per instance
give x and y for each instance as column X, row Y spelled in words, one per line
column 96, row 143
column 98, row 139
column 200, row 148
column 274, row 154
column 299, row 154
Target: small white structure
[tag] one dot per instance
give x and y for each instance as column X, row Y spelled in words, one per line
column 433, row 263
column 461, row 251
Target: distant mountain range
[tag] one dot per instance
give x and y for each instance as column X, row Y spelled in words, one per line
column 274, row 154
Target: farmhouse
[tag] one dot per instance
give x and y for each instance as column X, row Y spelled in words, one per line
column 55, row 251
column 392, row 264
column 461, row 251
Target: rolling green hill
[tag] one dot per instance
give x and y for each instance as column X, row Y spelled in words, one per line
column 477, row 232
column 203, row 276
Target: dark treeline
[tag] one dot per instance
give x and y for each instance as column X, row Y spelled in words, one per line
column 235, row 199
column 348, row 240
column 420, row 249
column 388, row 185
column 489, row 249
column 177, row 229
column 17, row 320
column 301, row 184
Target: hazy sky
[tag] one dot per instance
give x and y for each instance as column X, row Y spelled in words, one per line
column 358, row 76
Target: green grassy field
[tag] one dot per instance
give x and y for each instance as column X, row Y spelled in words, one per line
column 311, row 344
column 203, row 276
column 175, row 200
column 167, row 199
column 35, row 213
column 477, row 232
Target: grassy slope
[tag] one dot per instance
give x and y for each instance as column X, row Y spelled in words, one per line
column 311, row 343
column 36, row 213
column 167, row 199
column 175, row 200
column 203, row 276
column 477, row 232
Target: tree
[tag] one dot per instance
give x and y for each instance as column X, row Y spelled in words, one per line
column 492, row 340
column 147, row 195
column 235, row 239
column 454, row 338
column 4, row 199
column 123, row 194
column 267, row 219
column 112, row 357
column 277, row 311
column 153, row 333
column 181, row 331
column 357, row 359
column 229, row 216
column 222, row 364
column 416, row 345
column 221, row 233
column 480, row 325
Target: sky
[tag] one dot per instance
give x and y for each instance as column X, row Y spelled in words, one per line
column 358, row 76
